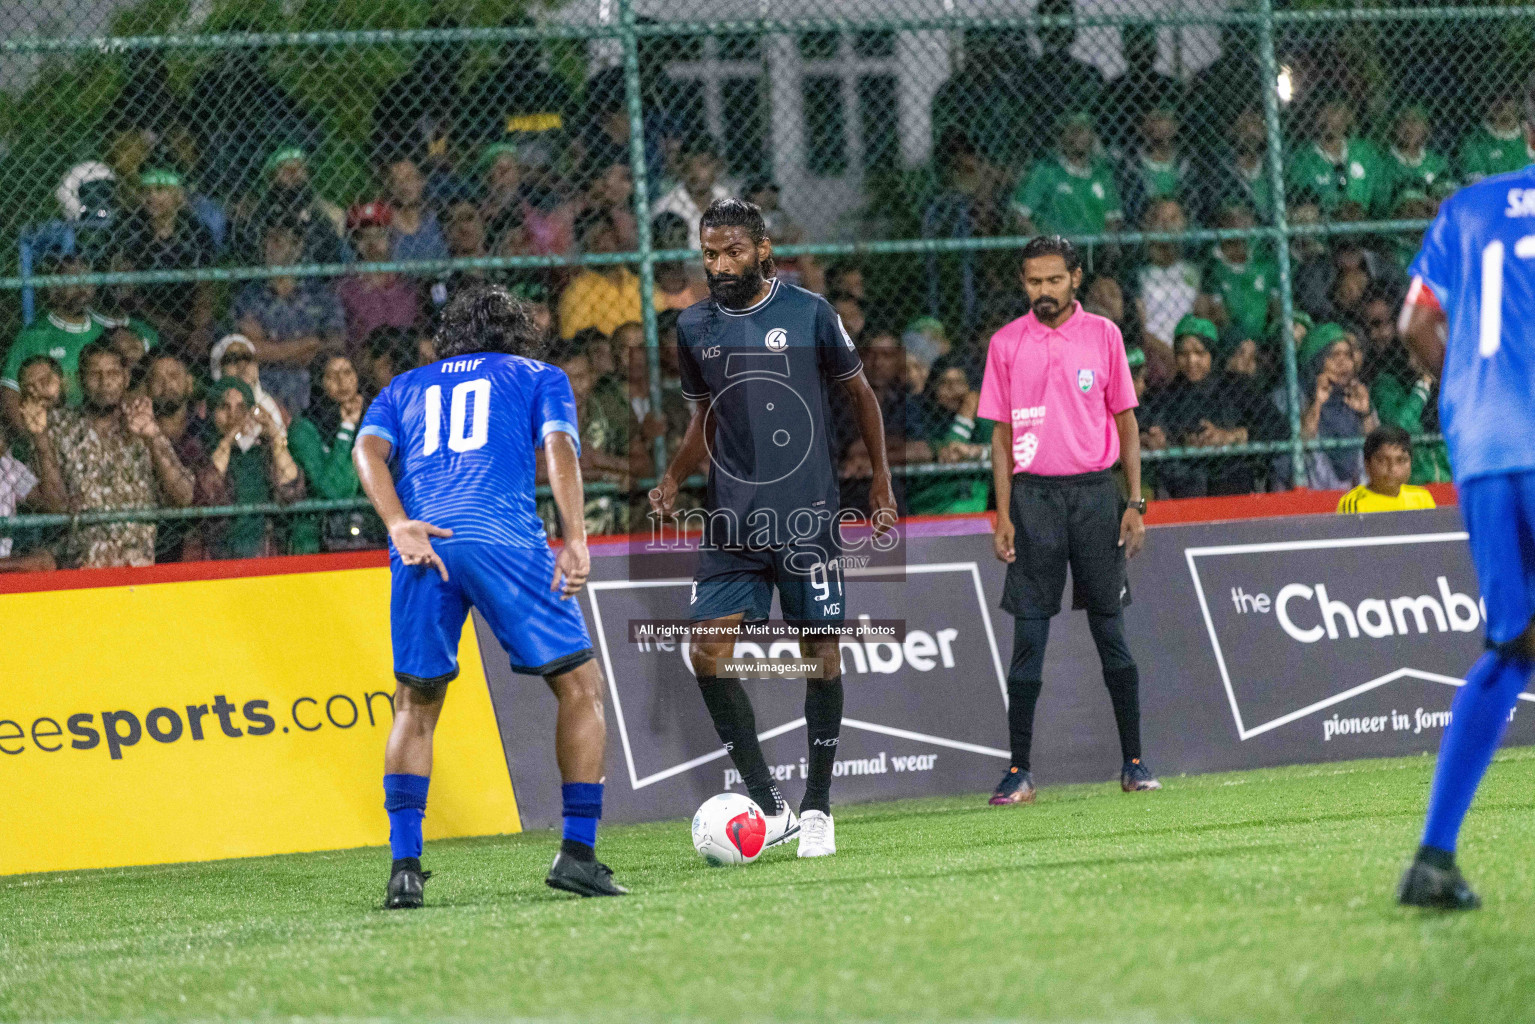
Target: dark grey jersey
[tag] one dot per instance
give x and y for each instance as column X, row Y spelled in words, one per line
column 770, row 371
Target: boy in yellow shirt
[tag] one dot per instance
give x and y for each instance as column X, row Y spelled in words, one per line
column 1388, row 464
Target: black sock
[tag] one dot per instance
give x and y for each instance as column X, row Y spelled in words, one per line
column 823, row 723
column 1435, row 857
column 577, row 850
column 1024, row 677
column 1125, row 692
column 731, row 710
column 406, row 863
column 1022, row 695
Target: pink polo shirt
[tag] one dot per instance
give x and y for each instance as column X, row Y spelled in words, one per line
column 1060, row 388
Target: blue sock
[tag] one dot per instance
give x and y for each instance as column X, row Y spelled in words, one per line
column 405, row 800
column 583, row 806
column 1478, row 717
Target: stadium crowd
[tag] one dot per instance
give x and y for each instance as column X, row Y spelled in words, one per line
column 196, row 393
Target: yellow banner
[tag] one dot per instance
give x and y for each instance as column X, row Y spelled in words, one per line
column 221, row 718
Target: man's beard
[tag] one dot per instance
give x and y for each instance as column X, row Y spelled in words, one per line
column 96, row 407
column 1047, row 308
column 166, row 408
column 736, row 291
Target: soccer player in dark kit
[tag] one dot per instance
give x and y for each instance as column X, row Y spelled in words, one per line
column 759, row 358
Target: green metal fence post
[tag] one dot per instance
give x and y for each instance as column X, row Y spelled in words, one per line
column 641, row 175
column 1270, row 83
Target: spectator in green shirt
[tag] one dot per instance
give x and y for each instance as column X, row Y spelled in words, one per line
column 1339, row 166
column 235, row 475
column 321, row 443
column 61, row 334
column 1410, row 163
column 955, row 435
column 1156, row 169
column 1072, row 192
column 1240, row 288
column 1497, row 146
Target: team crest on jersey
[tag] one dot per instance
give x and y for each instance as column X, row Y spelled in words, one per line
column 777, row 340
column 1084, row 381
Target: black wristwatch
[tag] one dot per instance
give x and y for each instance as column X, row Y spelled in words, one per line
column 1139, row 504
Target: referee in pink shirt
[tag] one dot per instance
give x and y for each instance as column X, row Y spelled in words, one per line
column 1058, row 386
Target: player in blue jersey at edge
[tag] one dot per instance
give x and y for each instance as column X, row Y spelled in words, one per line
column 447, row 456
column 1470, row 314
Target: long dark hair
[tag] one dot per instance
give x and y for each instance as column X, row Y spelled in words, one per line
column 324, row 412
column 486, row 318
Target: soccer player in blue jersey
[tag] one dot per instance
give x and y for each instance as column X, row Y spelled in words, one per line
column 447, row 455
column 1470, row 314
column 762, row 360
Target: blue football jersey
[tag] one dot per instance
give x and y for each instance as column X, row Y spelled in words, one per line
column 465, row 434
column 1479, row 259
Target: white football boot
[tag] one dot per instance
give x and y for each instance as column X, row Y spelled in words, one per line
column 817, row 835
column 781, row 827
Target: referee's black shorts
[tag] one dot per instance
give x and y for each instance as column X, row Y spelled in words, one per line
column 1060, row 521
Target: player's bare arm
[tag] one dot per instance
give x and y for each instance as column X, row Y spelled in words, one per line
column 1132, row 527
column 412, row 538
column 871, row 426
column 1002, row 483
column 1423, row 327
column 693, row 450
column 573, row 564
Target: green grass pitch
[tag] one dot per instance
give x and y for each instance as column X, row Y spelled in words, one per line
column 1260, row 896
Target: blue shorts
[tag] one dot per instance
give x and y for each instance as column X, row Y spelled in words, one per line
column 808, row 576
column 543, row 635
column 1499, row 512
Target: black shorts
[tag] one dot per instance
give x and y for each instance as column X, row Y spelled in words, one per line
column 808, row 576
column 1060, row 521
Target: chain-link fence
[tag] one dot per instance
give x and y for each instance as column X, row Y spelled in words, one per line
column 287, row 193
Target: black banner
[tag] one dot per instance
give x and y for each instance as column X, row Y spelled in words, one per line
column 1266, row 642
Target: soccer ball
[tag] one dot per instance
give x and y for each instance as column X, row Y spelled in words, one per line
column 729, row 829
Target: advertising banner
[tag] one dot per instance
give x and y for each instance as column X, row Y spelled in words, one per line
column 1308, row 639
column 1265, row 642
column 925, row 710
column 219, row 718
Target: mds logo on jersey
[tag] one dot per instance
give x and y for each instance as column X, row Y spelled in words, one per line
column 1084, row 381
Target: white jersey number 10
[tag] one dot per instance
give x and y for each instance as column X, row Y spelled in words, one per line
column 1491, row 334
column 462, row 436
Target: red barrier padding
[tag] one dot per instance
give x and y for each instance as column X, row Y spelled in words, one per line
column 1300, row 502
column 177, row 572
